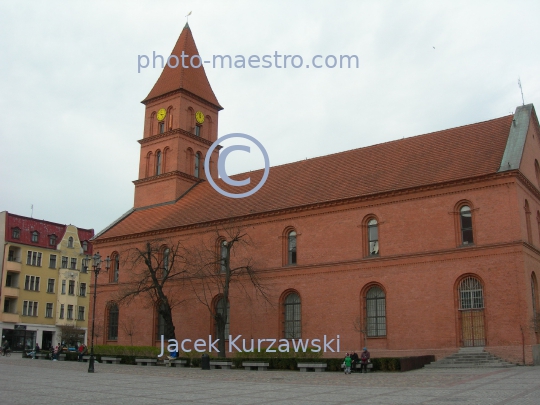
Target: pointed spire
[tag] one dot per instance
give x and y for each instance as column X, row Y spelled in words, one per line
column 190, row 79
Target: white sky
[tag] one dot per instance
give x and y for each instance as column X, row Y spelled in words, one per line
column 70, row 92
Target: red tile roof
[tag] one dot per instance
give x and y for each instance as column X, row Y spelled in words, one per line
column 45, row 229
column 452, row 154
column 28, row 225
column 191, row 79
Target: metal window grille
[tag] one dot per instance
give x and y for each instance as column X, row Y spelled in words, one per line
column 466, row 225
column 113, row 322
column 471, row 306
column 291, row 248
column 292, row 317
column 376, row 312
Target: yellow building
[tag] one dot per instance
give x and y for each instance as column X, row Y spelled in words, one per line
column 42, row 274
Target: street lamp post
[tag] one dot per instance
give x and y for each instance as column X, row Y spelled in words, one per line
column 96, row 266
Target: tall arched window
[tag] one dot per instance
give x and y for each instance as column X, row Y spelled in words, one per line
column 113, row 275
column 465, row 221
column 151, row 128
column 537, row 172
column 148, row 165
column 534, row 292
column 471, row 312
column 376, row 312
column 197, row 165
column 292, row 317
column 160, row 324
column 373, row 237
column 166, row 260
column 112, row 322
column 221, row 314
column 291, row 248
column 158, row 163
column 223, row 256
column 169, row 118
column 528, row 220
column 70, row 242
column 85, row 246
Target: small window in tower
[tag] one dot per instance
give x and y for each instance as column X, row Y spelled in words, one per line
column 161, row 127
column 197, row 164
column 158, row 163
column 197, row 130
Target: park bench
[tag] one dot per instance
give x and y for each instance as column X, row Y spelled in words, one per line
column 87, row 358
column 358, row 366
column 110, row 360
column 174, row 362
column 315, row 366
column 42, row 356
column 146, row 362
column 62, row 357
column 251, row 365
column 224, row 365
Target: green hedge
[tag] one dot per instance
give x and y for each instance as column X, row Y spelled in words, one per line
column 118, row 351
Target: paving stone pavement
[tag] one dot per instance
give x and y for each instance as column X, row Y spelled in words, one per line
column 26, row 381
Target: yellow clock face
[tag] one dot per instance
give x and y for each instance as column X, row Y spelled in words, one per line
column 161, row 114
column 199, row 116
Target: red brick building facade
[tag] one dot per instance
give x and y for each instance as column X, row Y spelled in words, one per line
column 416, row 246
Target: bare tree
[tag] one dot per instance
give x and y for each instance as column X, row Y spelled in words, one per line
column 129, row 327
column 361, row 327
column 71, row 334
column 154, row 268
column 213, row 270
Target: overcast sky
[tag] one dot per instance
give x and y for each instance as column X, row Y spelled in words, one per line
column 70, row 92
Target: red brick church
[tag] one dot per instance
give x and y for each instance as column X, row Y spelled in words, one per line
column 417, row 246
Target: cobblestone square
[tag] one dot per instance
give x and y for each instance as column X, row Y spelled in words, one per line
column 25, row 381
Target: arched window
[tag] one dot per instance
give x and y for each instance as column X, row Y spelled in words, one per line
column 292, row 317
column 164, row 160
column 291, row 248
column 166, row 260
column 112, row 322
column 208, row 125
column 190, row 118
column 158, row 163
column 169, row 118
column 537, row 172
column 113, row 276
column 35, row 236
column 471, row 294
column 152, row 123
column 373, row 237
column 196, row 171
column 148, row 164
column 528, row 220
column 85, row 246
column 465, row 221
column 70, row 242
column 223, row 256
column 160, row 324
column 534, row 292
column 376, row 312
column 221, row 314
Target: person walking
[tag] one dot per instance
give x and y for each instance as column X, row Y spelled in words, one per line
column 81, row 352
column 5, row 346
column 347, row 364
column 364, row 360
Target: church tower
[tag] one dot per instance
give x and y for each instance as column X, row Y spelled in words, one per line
column 181, row 123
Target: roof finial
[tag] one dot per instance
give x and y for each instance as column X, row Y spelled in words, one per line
column 187, row 18
column 519, row 84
